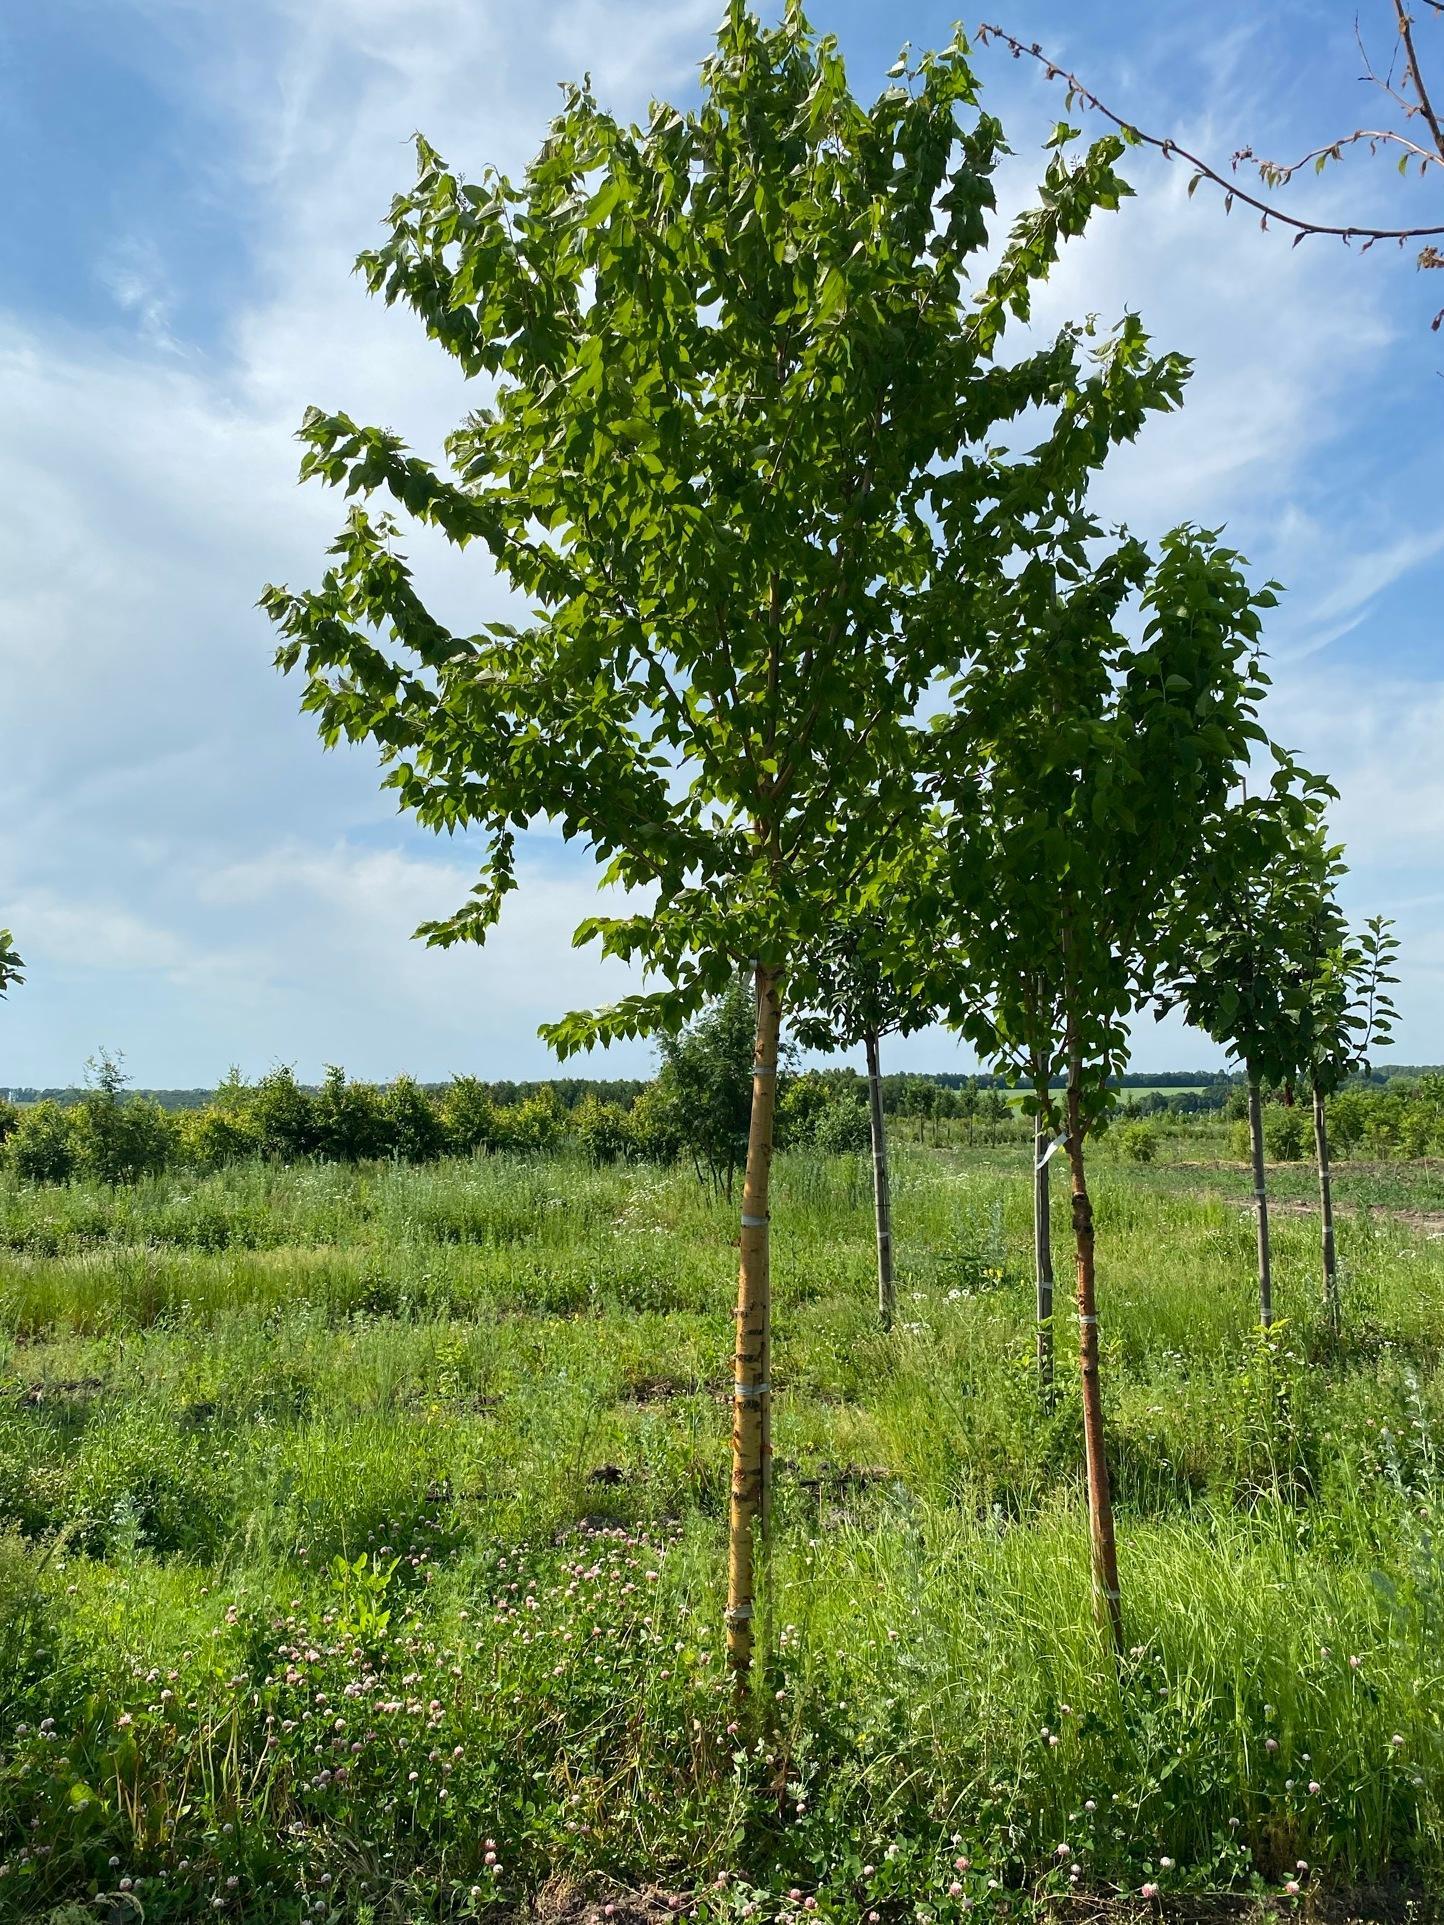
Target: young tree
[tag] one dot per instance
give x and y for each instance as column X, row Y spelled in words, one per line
column 1351, row 1013
column 1106, row 760
column 706, row 1077
column 1239, row 940
column 741, row 451
column 861, row 997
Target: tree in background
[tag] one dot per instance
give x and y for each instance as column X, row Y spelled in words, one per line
column 1107, row 759
column 1335, row 997
column 863, row 994
column 743, row 456
column 118, row 1137
column 411, row 1123
column 1348, row 1013
column 1411, row 134
column 706, row 1079
column 1238, row 947
column 285, row 1117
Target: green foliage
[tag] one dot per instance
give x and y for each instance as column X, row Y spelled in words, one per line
column 411, row 1124
column 536, row 1125
column 210, row 1138
column 602, row 1130
column 1261, row 956
column 9, row 1117
column 1287, row 1131
column 842, row 1125
column 1136, row 1141
column 749, row 459
column 470, row 1117
column 418, row 1370
column 1110, row 762
column 11, row 966
column 285, row 1118
column 124, row 1142
column 41, row 1148
column 706, row 1079
column 655, row 1126
column 350, row 1119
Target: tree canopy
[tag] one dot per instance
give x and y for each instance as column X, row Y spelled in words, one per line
column 743, row 454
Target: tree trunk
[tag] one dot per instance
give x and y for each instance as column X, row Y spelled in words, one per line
column 1100, row 1501
column 1042, row 1256
column 749, row 1518
column 881, row 1195
column 1261, row 1205
column 1326, row 1213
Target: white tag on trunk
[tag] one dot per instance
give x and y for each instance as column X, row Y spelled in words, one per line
column 1058, row 1141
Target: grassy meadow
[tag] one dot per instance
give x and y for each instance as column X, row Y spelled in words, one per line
column 366, row 1527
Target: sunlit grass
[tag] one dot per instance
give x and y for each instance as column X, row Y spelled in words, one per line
column 343, row 1412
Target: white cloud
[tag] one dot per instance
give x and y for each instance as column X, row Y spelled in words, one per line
column 185, row 871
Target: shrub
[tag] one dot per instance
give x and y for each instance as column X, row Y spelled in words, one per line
column 655, row 1126
column 602, row 1130
column 1137, row 1141
column 9, row 1117
column 535, row 1125
column 118, row 1138
column 707, row 1074
column 842, row 1125
column 41, row 1147
column 285, row 1118
column 469, row 1117
column 414, row 1127
column 351, row 1119
column 210, row 1138
column 1284, row 1130
column 800, row 1102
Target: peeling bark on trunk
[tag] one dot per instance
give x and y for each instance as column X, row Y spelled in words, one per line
column 1261, row 1206
column 1100, row 1501
column 881, row 1194
column 749, row 1516
column 1042, row 1257
column 1326, row 1214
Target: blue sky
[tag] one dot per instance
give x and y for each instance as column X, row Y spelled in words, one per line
column 189, row 877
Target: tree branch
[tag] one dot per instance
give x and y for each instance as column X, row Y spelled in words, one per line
column 1168, row 147
column 1416, row 76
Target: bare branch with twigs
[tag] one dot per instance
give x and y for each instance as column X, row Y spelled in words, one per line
column 1272, row 173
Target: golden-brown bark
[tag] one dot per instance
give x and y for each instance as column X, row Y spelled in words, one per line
column 749, row 1515
column 1100, row 1500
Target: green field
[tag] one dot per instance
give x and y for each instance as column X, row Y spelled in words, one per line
column 368, row 1539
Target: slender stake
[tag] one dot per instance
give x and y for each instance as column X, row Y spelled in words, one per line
column 1106, row 1599
column 1043, row 1257
column 1326, row 1213
column 749, row 1517
column 1261, row 1205
column 881, row 1192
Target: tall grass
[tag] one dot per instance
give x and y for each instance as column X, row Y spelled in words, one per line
column 280, row 1450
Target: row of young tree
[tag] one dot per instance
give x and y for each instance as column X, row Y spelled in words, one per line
column 820, row 650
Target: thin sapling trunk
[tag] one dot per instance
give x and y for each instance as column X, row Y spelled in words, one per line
column 1326, row 1213
column 749, row 1514
column 1106, row 1598
column 881, row 1193
column 1043, row 1254
column 1261, row 1205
